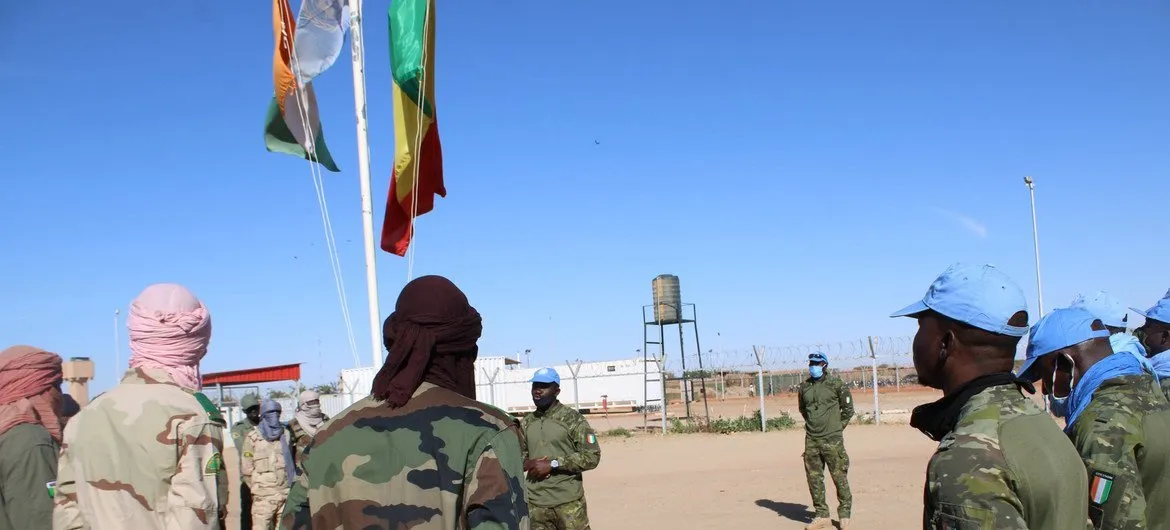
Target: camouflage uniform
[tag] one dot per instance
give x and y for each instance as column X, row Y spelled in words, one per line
column 1005, row 465
column 441, row 461
column 563, row 434
column 239, row 432
column 1165, row 384
column 826, row 406
column 300, row 440
column 145, row 455
column 264, row 471
column 1123, row 436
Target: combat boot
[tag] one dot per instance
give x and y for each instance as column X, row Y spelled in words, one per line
column 820, row 523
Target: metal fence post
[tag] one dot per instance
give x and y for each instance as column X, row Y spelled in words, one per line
column 760, row 389
column 576, row 390
column 877, row 411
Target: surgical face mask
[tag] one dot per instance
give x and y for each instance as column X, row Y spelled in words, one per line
column 816, row 371
column 1059, row 405
column 545, row 401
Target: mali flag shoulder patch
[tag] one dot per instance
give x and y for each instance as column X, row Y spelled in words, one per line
column 1100, row 488
column 214, row 465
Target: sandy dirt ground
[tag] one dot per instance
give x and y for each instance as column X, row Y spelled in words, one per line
column 752, row 480
column 756, row 480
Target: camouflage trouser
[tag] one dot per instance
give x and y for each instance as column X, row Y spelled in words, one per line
column 266, row 511
column 568, row 516
column 830, row 453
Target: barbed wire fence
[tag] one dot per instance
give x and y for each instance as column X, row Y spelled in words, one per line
column 870, row 365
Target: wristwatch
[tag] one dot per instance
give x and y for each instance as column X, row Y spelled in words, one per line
column 555, row 463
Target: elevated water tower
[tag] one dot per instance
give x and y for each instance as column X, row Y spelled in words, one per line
column 669, row 310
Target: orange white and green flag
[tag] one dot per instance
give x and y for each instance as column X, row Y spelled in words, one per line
column 418, row 157
column 292, row 125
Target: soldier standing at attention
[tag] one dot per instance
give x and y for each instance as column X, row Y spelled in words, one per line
column 826, row 406
column 420, row 452
column 250, row 404
column 30, row 436
column 1117, row 419
column 561, row 446
column 304, row 426
column 1001, row 461
column 267, row 466
column 148, row 453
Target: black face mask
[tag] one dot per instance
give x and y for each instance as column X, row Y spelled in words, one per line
column 544, row 402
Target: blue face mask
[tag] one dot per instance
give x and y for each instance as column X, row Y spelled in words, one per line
column 816, row 371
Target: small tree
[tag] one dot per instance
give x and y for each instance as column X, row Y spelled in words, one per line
column 327, row 388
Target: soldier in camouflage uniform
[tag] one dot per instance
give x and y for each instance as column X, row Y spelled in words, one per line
column 1001, row 462
column 250, row 405
column 148, row 453
column 304, row 425
column 419, row 452
column 1155, row 336
column 561, row 447
column 826, row 406
column 1117, row 421
column 267, row 466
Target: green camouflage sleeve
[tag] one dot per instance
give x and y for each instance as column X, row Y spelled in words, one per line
column 66, row 513
column 587, row 452
column 969, row 488
column 1116, row 499
column 800, row 402
column 846, row 401
column 493, row 497
column 297, row 515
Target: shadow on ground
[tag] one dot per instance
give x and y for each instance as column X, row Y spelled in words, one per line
column 796, row 512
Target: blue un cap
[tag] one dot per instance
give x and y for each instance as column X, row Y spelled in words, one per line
column 818, row 357
column 976, row 295
column 1160, row 311
column 547, row 375
column 1109, row 310
column 1058, row 330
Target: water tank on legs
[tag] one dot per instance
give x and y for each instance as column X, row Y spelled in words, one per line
column 667, row 299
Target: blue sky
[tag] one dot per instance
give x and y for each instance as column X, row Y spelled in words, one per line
column 804, row 167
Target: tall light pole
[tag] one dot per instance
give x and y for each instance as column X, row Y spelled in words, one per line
column 1035, row 244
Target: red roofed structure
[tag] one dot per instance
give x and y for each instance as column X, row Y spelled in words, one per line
column 254, row 376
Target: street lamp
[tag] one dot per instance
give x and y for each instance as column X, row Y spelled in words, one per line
column 1035, row 244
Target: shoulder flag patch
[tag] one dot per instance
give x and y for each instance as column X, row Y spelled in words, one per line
column 1100, row 487
column 209, row 407
column 52, row 487
column 591, row 439
column 214, row 465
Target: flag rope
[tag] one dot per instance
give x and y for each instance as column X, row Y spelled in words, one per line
column 418, row 135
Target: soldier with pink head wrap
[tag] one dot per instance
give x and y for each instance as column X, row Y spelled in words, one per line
column 148, row 453
column 30, row 406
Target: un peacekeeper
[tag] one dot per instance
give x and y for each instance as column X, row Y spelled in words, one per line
column 561, row 446
column 1155, row 336
column 420, row 452
column 1001, row 462
column 826, row 406
column 1112, row 313
column 1115, row 417
column 250, row 404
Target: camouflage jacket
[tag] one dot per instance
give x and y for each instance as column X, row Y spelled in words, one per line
column 826, row 406
column 145, row 455
column 562, row 434
column 239, row 431
column 1123, row 436
column 1006, row 465
column 1165, row 384
column 440, row 462
column 299, row 439
column 262, row 466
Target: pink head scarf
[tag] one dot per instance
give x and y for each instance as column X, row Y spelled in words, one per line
column 169, row 330
column 30, row 389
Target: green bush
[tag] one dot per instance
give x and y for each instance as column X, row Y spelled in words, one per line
column 730, row 425
column 622, row 432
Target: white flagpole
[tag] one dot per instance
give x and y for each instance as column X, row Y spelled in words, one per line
column 363, row 145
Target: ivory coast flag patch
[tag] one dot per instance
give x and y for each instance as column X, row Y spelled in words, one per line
column 591, row 438
column 1100, row 487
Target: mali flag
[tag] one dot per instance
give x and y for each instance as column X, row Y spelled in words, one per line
column 418, row 157
column 292, row 125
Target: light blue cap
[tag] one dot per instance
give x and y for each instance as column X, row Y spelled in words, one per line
column 819, row 357
column 977, row 295
column 1058, row 329
column 1109, row 310
column 1160, row 311
column 547, row 375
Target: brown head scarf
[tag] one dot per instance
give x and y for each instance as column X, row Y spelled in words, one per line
column 30, row 389
column 431, row 337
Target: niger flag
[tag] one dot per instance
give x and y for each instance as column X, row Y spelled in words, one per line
column 418, row 158
column 292, row 125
